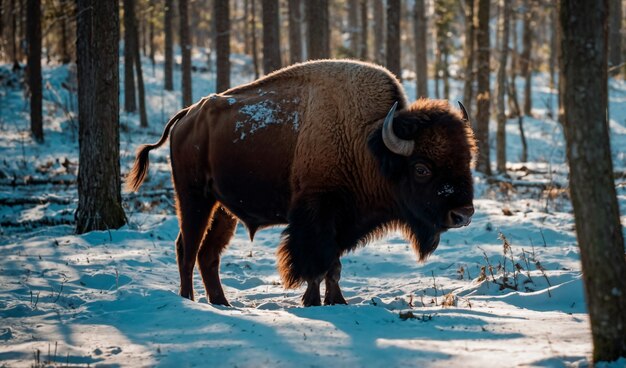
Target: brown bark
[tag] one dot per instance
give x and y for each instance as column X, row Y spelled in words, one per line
column 364, row 28
column 185, row 52
column 143, row 116
column 592, row 187
column 553, row 43
column 34, row 68
column 13, row 27
column 615, row 37
column 222, row 27
column 379, row 32
column 271, row 36
column 393, row 38
column 469, row 55
column 421, row 66
column 169, row 46
column 318, row 32
column 151, row 34
column 99, row 198
column 353, row 26
column 503, row 35
column 63, row 23
column 130, row 99
column 526, row 57
column 255, row 52
column 483, row 91
column 295, row 32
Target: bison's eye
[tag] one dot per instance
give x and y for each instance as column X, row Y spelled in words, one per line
column 422, row 171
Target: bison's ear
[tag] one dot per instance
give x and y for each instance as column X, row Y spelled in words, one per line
column 391, row 164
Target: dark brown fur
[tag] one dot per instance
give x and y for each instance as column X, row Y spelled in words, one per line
column 303, row 146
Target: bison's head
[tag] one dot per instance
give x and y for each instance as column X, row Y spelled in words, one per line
column 426, row 151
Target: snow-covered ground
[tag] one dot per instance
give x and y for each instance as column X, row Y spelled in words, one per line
column 505, row 291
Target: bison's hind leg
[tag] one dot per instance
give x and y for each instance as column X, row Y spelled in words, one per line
column 194, row 211
column 218, row 234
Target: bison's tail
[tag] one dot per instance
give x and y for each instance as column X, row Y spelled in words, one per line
column 138, row 173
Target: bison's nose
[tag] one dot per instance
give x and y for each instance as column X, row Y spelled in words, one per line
column 461, row 216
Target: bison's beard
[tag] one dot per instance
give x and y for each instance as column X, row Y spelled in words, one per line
column 425, row 238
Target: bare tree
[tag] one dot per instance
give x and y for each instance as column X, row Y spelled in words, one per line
column 271, row 36
column 554, row 45
column 615, row 36
column 514, row 107
column 255, row 52
column 421, row 64
column 393, row 38
column 469, row 55
column 483, row 92
column 130, row 99
column 364, row 27
column 318, row 32
column 185, row 51
column 526, row 57
column 34, row 67
column 379, row 32
column 169, row 46
column 99, row 197
column 63, row 24
column 353, row 26
column 584, row 69
column 222, row 26
column 295, row 32
column 503, row 35
column 136, row 57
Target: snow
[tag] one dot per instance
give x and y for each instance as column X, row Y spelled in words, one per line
column 109, row 297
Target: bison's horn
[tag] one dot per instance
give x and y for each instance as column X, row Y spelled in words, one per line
column 465, row 115
column 392, row 141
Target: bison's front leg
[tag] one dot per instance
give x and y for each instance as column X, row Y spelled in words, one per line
column 308, row 250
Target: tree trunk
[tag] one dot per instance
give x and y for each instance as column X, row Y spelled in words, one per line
column 295, row 32
column 143, row 116
column 222, row 27
column 379, row 32
column 615, row 36
column 483, row 92
column 553, row 43
column 526, row 57
column 469, row 55
column 169, row 46
column 151, row 34
column 99, row 198
column 353, row 27
column 130, row 100
column 34, row 68
column 185, row 52
column 364, row 27
column 599, row 232
column 318, row 33
column 271, row 36
column 421, row 64
column 255, row 52
column 14, row 51
column 65, row 54
column 393, row 38
column 503, row 35
column 437, row 72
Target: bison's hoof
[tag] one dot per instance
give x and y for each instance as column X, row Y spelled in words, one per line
column 311, row 298
column 219, row 301
column 333, row 299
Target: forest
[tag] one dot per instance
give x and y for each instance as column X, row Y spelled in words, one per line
column 356, row 136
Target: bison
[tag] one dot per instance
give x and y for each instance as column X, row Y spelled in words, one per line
column 330, row 148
